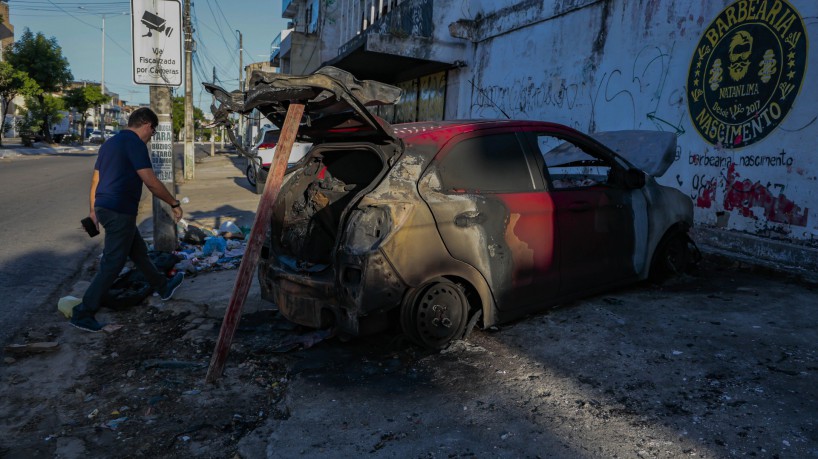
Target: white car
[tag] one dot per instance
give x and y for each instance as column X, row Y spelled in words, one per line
column 96, row 137
column 264, row 150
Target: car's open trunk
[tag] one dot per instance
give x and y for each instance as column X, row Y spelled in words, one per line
column 308, row 214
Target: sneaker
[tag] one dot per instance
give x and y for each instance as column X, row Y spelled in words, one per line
column 170, row 288
column 86, row 323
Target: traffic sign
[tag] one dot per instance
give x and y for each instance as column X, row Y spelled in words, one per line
column 156, row 35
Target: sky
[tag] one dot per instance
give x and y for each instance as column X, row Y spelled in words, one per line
column 77, row 27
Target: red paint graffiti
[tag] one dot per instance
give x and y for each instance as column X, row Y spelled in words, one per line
column 743, row 196
column 707, row 194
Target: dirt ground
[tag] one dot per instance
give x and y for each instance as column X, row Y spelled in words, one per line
column 722, row 363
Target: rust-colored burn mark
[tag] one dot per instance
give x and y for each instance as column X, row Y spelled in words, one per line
column 530, row 236
column 744, row 195
column 522, row 254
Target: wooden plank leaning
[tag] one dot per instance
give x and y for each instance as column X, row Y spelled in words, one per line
column 249, row 261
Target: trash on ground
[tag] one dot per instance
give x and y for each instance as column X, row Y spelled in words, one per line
column 110, row 328
column 171, row 364
column 305, row 341
column 22, row 350
column 66, row 305
column 113, row 424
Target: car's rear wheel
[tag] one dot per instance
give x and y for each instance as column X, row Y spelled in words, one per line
column 251, row 173
column 435, row 314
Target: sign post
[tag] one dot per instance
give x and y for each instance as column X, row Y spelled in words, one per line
column 156, row 37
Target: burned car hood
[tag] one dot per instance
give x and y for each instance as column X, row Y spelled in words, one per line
column 651, row 151
column 335, row 103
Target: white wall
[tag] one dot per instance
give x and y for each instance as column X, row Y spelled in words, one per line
column 610, row 65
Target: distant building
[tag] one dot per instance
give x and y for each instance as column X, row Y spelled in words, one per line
column 6, row 29
column 731, row 81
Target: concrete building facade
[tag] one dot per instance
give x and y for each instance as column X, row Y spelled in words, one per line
column 731, row 78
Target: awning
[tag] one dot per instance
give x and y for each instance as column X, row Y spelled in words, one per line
column 372, row 56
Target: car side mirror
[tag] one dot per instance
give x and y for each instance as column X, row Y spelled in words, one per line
column 634, row 179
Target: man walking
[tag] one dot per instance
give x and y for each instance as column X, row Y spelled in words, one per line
column 122, row 166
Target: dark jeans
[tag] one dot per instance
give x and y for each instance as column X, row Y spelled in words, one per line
column 122, row 240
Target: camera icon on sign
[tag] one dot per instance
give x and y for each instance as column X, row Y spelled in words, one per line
column 154, row 22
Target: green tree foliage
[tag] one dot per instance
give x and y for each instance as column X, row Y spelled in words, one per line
column 82, row 99
column 41, row 111
column 12, row 83
column 178, row 114
column 41, row 58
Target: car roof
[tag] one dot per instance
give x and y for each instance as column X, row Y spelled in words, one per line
column 443, row 130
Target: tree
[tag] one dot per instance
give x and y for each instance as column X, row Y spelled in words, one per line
column 178, row 114
column 82, row 99
column 12, row 83
column 41, row 58
column 46, row 109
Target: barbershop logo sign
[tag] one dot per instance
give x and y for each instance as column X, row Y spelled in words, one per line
column 746, row 72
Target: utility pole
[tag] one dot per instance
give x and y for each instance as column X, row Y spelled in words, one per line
column 164, row 225
column 102, row 83
column 189, row 148
column 241, row 88
column 213, row 129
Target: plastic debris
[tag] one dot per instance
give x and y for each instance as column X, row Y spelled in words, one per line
column 113, row 424
column 213, row 245
column 232, row 229
column 66, row 305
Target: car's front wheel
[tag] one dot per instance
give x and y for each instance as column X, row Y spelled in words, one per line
column 435, row 314
column 673, row 256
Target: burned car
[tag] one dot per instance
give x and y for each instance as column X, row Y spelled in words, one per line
column 441, row 226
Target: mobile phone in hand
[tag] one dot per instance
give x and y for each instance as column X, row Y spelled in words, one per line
column 89, row 226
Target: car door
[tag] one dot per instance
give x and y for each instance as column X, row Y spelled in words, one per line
column 593, row 210
column 492, row 211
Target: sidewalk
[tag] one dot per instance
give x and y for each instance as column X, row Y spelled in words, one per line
column 219, row 192
column 13, row 148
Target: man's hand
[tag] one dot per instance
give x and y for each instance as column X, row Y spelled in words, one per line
column 177, row 213
column 93, row 216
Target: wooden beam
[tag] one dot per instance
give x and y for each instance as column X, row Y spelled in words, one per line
column 249, row 261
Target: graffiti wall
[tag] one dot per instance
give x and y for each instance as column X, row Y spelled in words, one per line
column 734, row 80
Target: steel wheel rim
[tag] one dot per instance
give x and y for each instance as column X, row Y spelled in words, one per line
column 439, row 314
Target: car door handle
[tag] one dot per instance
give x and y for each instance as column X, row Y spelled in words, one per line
column 579, row 206
column 469, row 218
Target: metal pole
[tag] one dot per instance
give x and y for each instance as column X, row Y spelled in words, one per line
column 241, row 88
column 213, row 129
column 102, row 82
column 189, row 147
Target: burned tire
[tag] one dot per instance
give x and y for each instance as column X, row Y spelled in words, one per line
column 435, row 314
column 672, row 256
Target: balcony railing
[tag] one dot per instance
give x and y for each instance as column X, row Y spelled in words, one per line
column 288, row 10
column 275, row 49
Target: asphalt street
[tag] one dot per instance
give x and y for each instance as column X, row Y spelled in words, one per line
column 42, row 199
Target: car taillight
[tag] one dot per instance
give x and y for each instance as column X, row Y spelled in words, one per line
column 267, row 146
column 367, row 228
column 370, row 226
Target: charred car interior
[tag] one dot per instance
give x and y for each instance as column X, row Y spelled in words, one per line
column 438, row 227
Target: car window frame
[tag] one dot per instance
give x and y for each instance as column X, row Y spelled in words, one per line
column 584, row 143
column 446, row 149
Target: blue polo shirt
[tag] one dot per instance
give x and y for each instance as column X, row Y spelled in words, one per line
column 120, row 188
